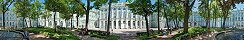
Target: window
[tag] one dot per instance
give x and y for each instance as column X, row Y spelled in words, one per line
column 134, row 23
column 114, row 24
column 129, row 24
column 125, row 14
column 138, row 23
column 119, row 9
column 119, row 25
column 114, row 9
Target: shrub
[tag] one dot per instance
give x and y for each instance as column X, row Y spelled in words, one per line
column 193, row 31
column 102, row 35
column 62, row 34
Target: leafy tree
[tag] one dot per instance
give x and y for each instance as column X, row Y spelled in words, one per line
column 46, row 14
column 56, row 6
column 144, row 8
column 75, row 8
column 188, row 4
column 173, row 13
column 226, row 6
column 5, row 4
column 97, row 4
column 36, row 10
column 23, row 9
column 87, row 9
column 204, row 11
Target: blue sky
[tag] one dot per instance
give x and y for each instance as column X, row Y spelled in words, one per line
column 238, row 6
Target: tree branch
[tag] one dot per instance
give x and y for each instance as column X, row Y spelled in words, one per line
column 81, row 5
column 192, row 3
column 9, row 6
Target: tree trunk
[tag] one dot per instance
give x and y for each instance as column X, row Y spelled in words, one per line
column 71, row 22
column 23, row 22
column 3, row 17
column 77, row 21
column 65, row 23
column 147, row 25
column 54, row 21
column 109, row 12
column 175, row 23
column 158, row 17
column 87, row 17
column 30, row 22
column 45, row 22
column 186, row 17
column 225, row 16
column 26, row 23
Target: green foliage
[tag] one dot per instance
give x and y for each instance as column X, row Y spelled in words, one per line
column 5, row 4
column 143, row 8
column 194, row 31
column 22, row 8
column 143, row 35
column 102, row 35
column 62, row 34
column 36, row 9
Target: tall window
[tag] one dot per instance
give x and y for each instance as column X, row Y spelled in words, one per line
column 119, row 25
column 129, row 24
column 134, row 24
column 125, row 14
column 114, row 24
column 138, row 23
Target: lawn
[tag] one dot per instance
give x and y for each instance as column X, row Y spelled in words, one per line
column 61, row 34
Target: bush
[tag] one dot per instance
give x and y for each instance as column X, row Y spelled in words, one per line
column 102, row 35
column 62, row 34
column 152, row 34
column 193, row 31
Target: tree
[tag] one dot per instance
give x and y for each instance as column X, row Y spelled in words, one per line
column 56, row 6
column 75, row 8
column 172, row 12
column 97, row 4
column 144, row 8
column 158, row 10
column 226, row 6
column 46, row 14
column 87, row 9
column 22, row 9
column 203, row 9
column 36, row 10
column 5, row 4
column 188, row 4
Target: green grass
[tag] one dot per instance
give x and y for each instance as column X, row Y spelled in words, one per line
column 61, row 34
column 194, row 31
column 152, row 34
column 102, row 35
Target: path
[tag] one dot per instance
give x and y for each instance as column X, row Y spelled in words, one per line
column 39, row 37
column 166, row 37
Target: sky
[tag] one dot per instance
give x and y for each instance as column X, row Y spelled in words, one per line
column 196, row 4
column 238, row 6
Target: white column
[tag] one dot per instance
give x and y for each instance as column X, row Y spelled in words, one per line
column 117, row 22
column 122, row 13
column 131, row 24
column 112, row 24
column 100, row 24
column 121, row 26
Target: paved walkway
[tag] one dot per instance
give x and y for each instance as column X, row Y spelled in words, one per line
column 166, row 37
column 39, row 37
